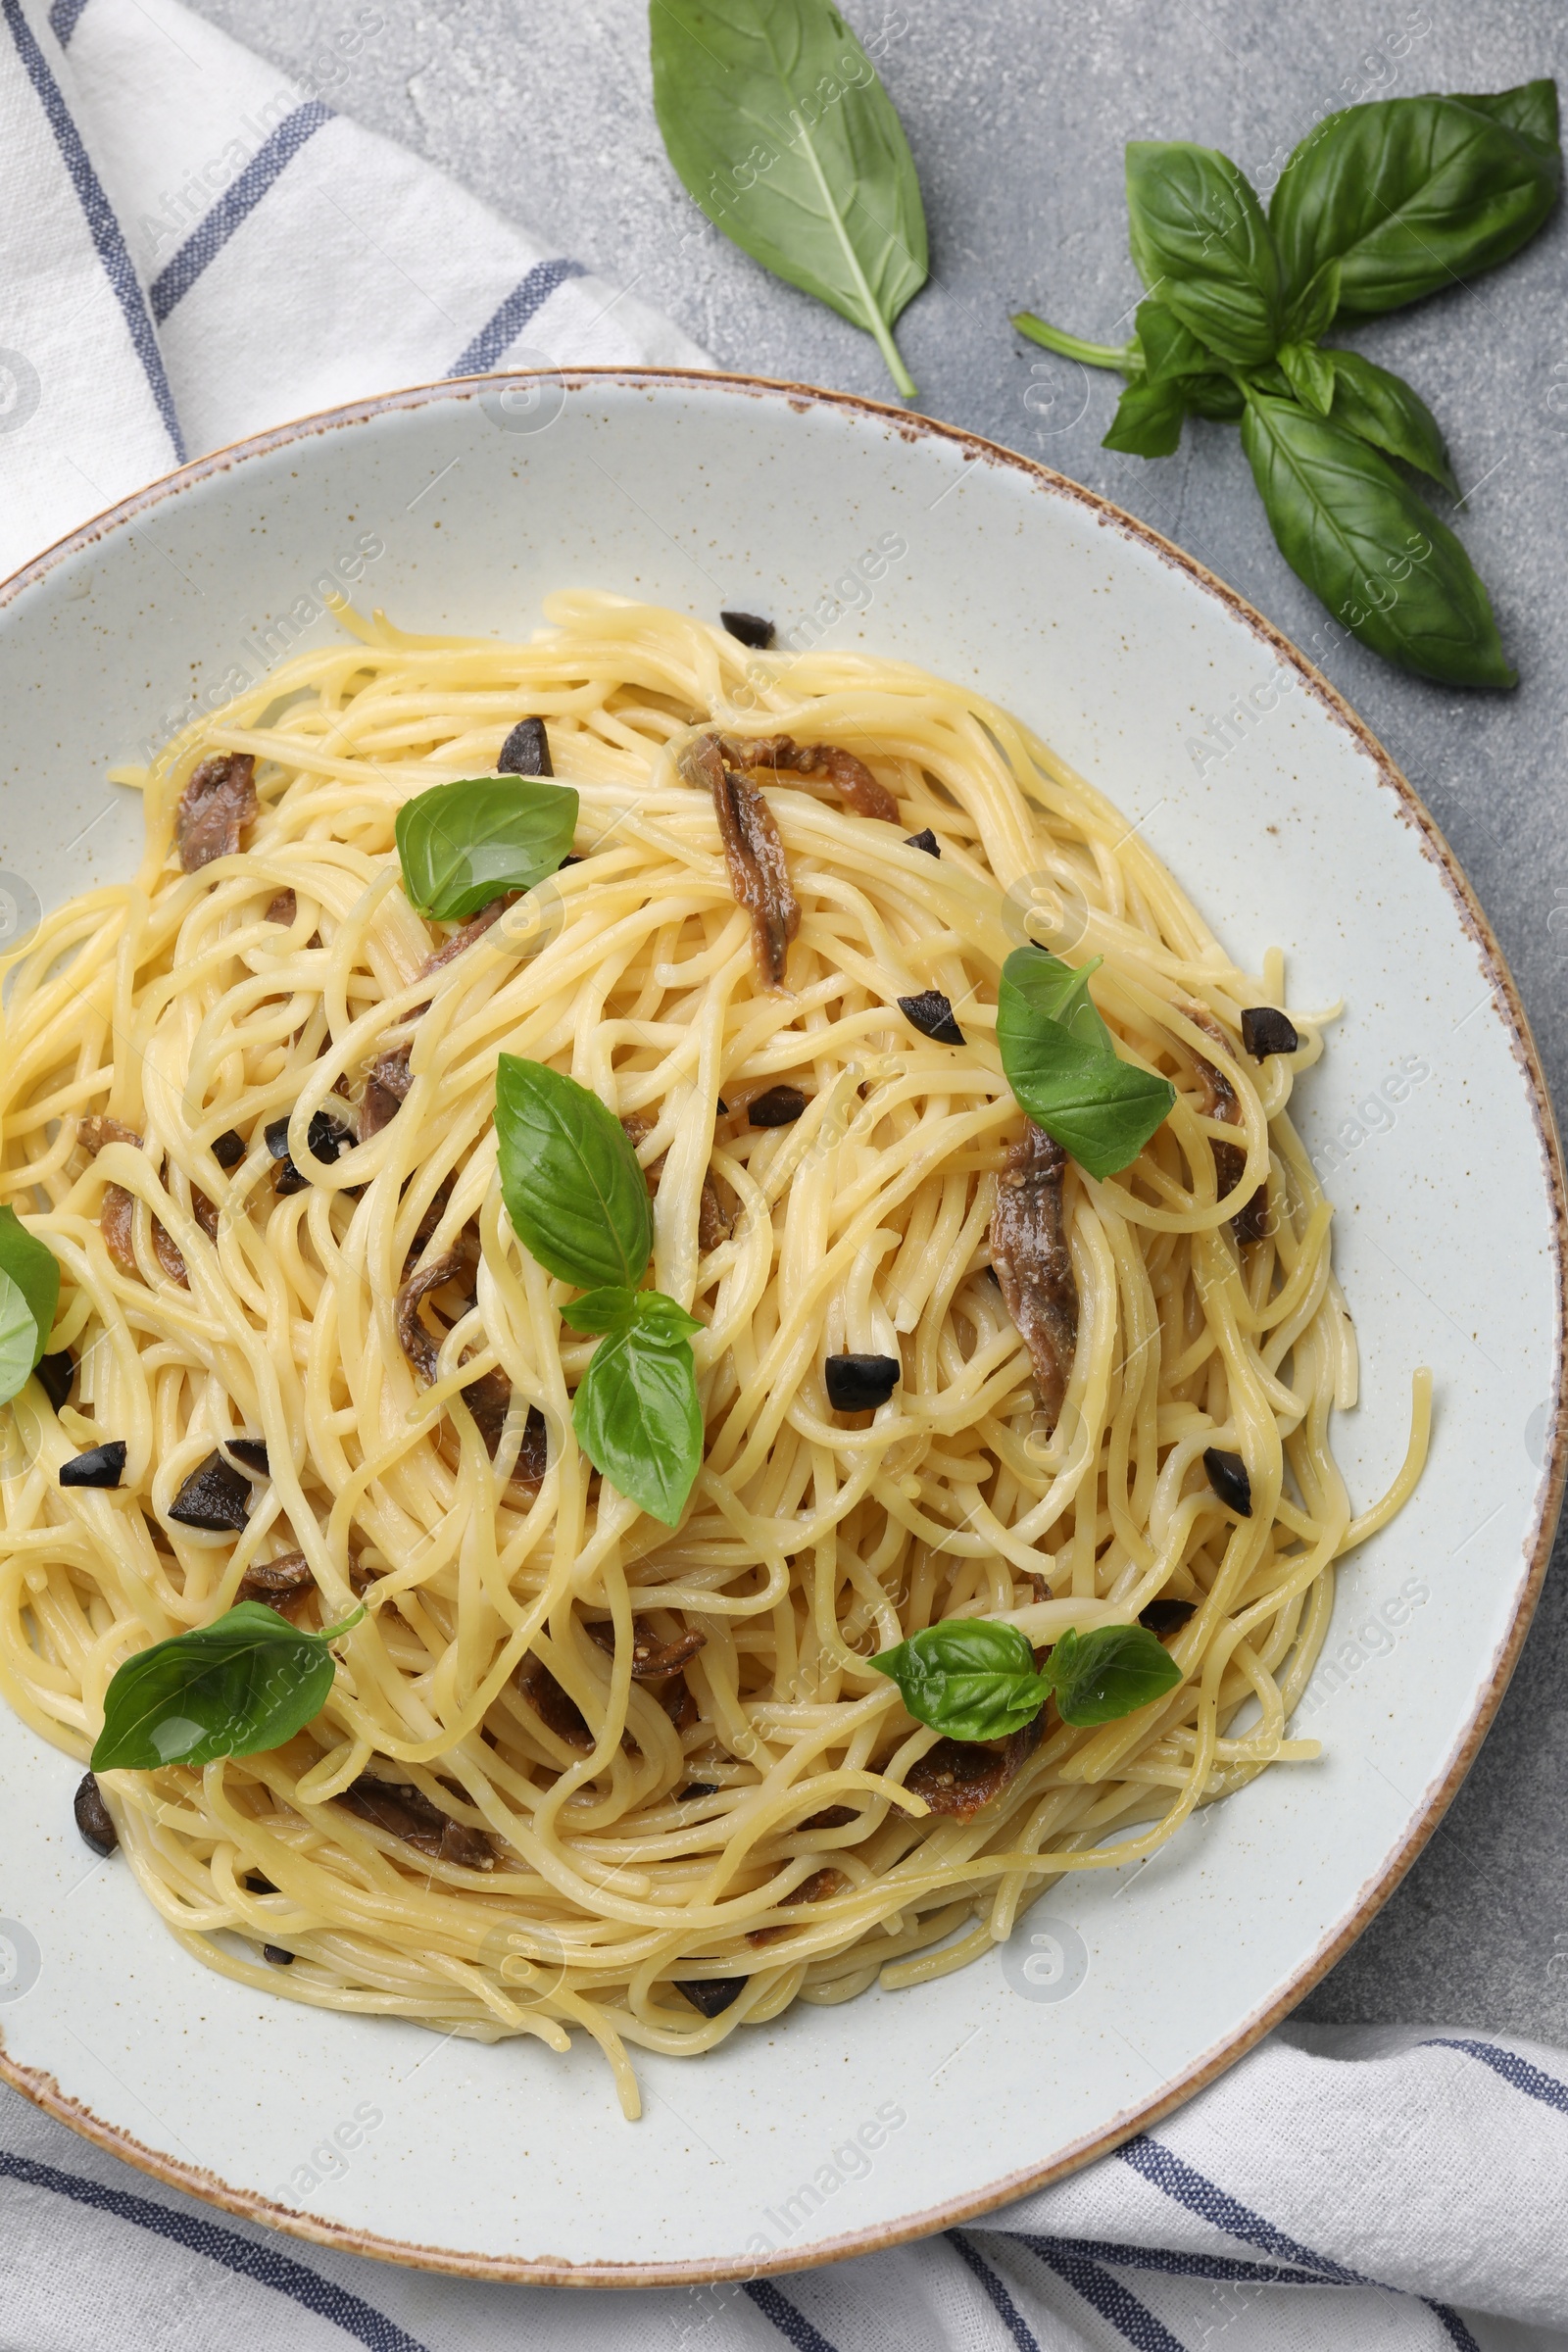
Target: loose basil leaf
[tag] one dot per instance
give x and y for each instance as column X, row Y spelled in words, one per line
column 1169, row 348
column 1096, row 1677
column 1147, row 422
column 1309, row 374
column 35, row 1271
column 231, row 1688
column 1382, row 408
column 1080, row 1091
column 636, row 1411
column 1410, row 194
column 1198, row 234
column 1315, row 308
column 463, row 845
column 970, row 1677
column 1362, row 541
column 573, row 1191
column 19, row 1335
column 772, row 114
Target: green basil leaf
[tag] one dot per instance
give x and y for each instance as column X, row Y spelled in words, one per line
column 772, row 114
column 34, row 1269
column 613, row 1309
column 573, row 1191
column 1316, row 308
column 1216, row 396
column 462, row 845
column 1411, row 194
column 1062, row 1066
column 1147, row 422
column 1169, row 348
column 247, row 1682
column 1198, row 235
column 19, row 1335
column 968, row 1677
column 1096, row 1677
column 636, row 1412
column 1382, row 408
column 1364, row 542
column 1309, row 375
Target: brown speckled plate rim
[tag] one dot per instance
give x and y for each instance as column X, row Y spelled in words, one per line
column 550, row 2270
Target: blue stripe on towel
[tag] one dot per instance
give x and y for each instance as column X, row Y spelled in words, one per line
column 1216, row 2268
column 235, row 206
column 100, row 216
column 1006, row 2308
column 63, row 17
column 794, row 2326
column 503, row 329
column 1133, row 2321
column 1165, row 2171
column 1515, row 2071
column 264, row 2263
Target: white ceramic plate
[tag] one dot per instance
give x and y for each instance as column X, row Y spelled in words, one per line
column 839, row 2130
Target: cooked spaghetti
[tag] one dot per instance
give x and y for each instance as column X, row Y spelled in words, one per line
column 579, row 1770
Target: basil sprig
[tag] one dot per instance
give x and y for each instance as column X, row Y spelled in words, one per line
column 1061, row 1063
column 1378, row 206
column 973, row 1679
column 463, row 845
column 29, row 1292
column 578, row 1201
column 248, row 1682
column 772, row 114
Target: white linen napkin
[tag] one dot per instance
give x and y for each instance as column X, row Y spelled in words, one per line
column 192, row 248
column 195, row 247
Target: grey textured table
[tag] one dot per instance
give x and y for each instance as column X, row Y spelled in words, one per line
column 1017, row 110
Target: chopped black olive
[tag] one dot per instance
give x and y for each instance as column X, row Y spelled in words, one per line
column 932, row 1014
column 275, row 1953
column 1227, row 1475
column 780, row 1106
column 857, row 1383
column 712, row 1995
column 694, row 1789
column 1166, row 1616
column 216, row 1497
column 93, row 1817
column 275, row 1136
column 229, row 1149
column 1265, row 1031
column 925, row 840
column 252, row 1452
column 54, row 1375
column 526, row 751
column 570, row 859
column 99, row 1466
column 326, row 1138
column 751, row 628
column 258, row 1885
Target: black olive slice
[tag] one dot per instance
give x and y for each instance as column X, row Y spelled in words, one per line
column 1166, row 1616
column 93, row 1817
column 526, row 751
column 229, row 1149
column 780, row 1106
column 858, row 1384
column 258, row 1885
column 54, row 1375
column 931, row 1013
column 925, row 840
column 252, row 1452
column 1266, row 1031
column 712, row 1995
column 751, row 628
column 695, row 1790
column 1227, row 1475
column 216, row 1497
column 99, row 1466
column 275, row 1954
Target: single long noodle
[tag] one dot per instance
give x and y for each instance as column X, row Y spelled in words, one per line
column 174, row 1005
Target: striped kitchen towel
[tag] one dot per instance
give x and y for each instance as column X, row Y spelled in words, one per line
column 195, row 247
column 1342, row 2189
